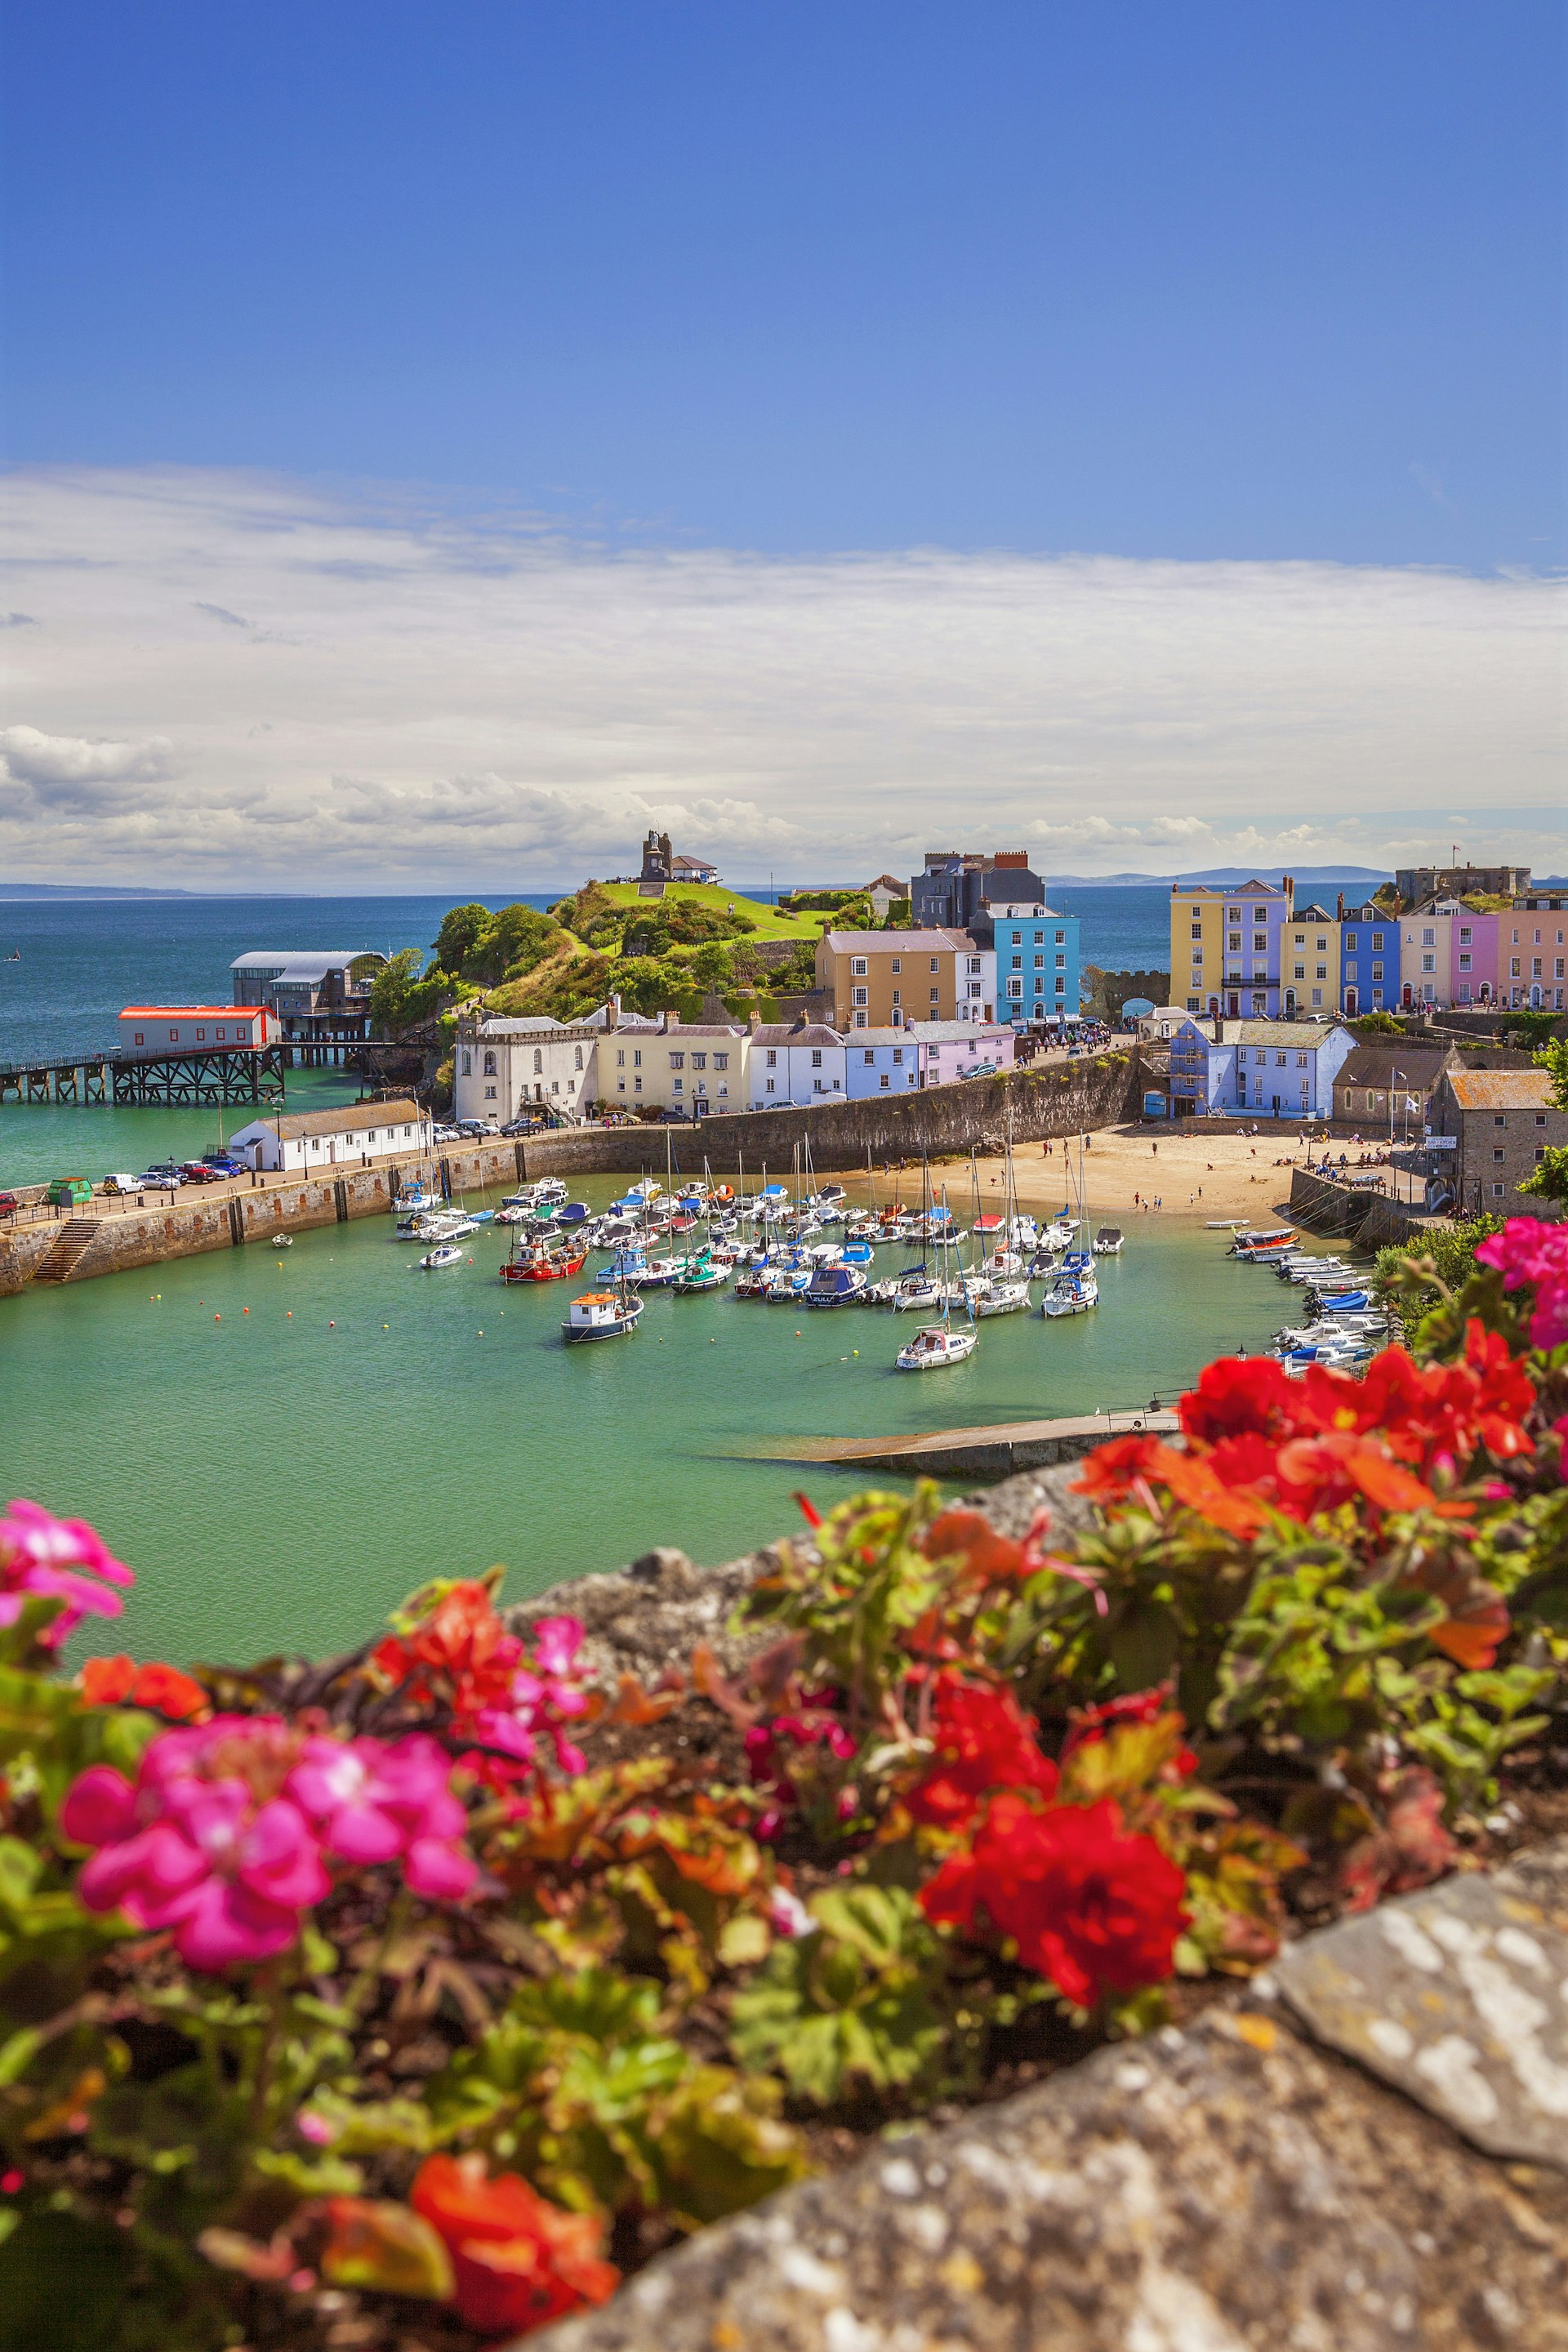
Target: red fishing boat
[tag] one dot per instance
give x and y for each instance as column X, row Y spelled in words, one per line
column 534, row 1261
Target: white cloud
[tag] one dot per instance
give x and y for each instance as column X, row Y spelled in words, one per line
column 64, row 770
column 397, row 693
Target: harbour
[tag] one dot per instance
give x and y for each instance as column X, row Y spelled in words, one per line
column 284, row 1443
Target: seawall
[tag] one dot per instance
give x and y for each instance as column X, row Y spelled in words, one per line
column 1051, row 1100
column 1371, row 1220
column 108, row 1238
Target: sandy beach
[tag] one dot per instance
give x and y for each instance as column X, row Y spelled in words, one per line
column 1196, row 1176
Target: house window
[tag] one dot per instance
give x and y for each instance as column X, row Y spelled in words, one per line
column 678, row 1084
column 1428, row 939
column 1466, row 934
column 861, row 1022
column 935, row 995
column 884, row 1080
column 577, row 1058
column 1300, row 1061
column 773, row 1059
column 140, row 1039
column 223, row 1033
column 858, row 963
column 174, row 1035
column 1497, row 1191
column 1377, row 943
column 538, row 1060
column 678, row 1061
column 1498, row 1157
column 1350, row 942
column 489, row 1096
column 621, row 1057
column 1499, row 1121
column 468, row 1066
column 637, row 1057
column 871, row 1056
column 720, row 1061
column 637, row 1086
column 817, row 1057
column 897, row 1056
column 935, row 965
column 490, row 1064
column 1061, row 941
column 1197, row 930
column 699, row 1061
column 1017, row 963
column 898, row 999
column 1301, row 972
column 897, row 963
column 860, row 995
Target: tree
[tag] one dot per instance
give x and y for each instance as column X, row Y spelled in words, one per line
column 461, row 929
column 1549, row 1181
column 399, row 997
column 712, row 966
column 515, row 939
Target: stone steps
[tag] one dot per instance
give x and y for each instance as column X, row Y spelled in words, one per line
column 77, row 1238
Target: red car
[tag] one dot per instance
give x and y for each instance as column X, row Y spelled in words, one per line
column 198, row 1172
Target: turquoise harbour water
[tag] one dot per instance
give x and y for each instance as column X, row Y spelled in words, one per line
column 283, row 1443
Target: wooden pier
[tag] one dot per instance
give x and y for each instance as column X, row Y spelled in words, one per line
column 240, row 1075
column 991, row 1452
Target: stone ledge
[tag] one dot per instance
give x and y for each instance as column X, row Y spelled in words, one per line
column 1225, row 2190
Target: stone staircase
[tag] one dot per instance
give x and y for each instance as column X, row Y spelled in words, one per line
column 77, row 1238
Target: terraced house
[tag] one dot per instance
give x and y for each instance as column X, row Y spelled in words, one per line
column 1226, row 948
column 883, row 980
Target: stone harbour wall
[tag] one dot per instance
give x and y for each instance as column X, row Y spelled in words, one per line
column 1052, row 1099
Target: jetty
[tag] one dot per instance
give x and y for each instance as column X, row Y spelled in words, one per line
column 993, row 1451
column 246, row 1075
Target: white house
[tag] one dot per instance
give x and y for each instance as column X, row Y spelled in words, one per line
column 796, row 1063
column 307, row 1142
column 196, row 1028
column 502, row 1069
column 881, row 1061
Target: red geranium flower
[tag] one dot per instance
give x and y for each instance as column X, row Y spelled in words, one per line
column 1086, row 1905
column 984, row 1741
column 1237, row 1394
column 520, row 2262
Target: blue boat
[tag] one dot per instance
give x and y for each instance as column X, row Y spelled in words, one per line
column 571, row 1212
column 835, row 1286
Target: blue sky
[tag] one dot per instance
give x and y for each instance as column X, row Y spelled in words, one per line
column 444, row 440
column 1221, row 280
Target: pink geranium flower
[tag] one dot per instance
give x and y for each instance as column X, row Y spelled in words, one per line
column 540, row 1699
column 229, row 1869
column 1528, row 1250
column 40, row 1555
column 374, row 1803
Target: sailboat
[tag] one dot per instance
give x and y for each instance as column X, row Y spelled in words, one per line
column 1075, row 1290
column 935, row 1345
column 993, row 1286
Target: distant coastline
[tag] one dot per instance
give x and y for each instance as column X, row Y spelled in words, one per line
column 1306, row 876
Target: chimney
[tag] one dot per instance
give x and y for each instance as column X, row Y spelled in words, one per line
column 671, row 1020
column 612, row 1012
column 753, row 1021
column 1288, row 884
column 1218, row 1029
column 1339, row 908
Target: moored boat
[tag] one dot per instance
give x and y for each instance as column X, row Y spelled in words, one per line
column 602, row 1315
column 1107, row 1242
column 934, row 1345
column 446, row 1255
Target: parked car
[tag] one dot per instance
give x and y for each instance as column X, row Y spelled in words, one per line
column 116, row 1184
column 9, row 1204
column 518, row 1126
column 160, row 1179
column 447, row 1135
column 196, row 1172
column 224, row 1163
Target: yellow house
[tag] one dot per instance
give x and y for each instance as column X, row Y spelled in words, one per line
column 885, row 980
column 1309, row 962
column 697, row 1068
column 1197, row 949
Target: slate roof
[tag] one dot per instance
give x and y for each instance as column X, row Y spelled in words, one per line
column 1372, row 1065
column 782, row 1033
column 1305, row 1035
column 292, row 1125
column 932, row 942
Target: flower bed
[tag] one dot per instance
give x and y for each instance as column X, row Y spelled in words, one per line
column 414, row 1997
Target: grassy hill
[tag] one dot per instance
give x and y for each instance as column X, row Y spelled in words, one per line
column 770, row 921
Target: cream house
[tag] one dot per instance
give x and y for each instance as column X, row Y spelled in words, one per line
column 697, row 1068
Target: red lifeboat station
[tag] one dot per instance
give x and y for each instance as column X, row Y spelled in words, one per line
column 196, row 1028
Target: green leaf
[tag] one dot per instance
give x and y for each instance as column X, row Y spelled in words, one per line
column 64, row 2283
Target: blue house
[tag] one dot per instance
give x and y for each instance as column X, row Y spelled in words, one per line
column 1262, row 1069
column 1369, row 959
column 1037, row 963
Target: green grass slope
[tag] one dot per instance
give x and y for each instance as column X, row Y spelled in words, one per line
column 771, row 924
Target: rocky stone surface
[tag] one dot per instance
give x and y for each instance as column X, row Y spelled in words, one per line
column 646, row 1618
column 1222, row 2190
column 1459, row 1996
